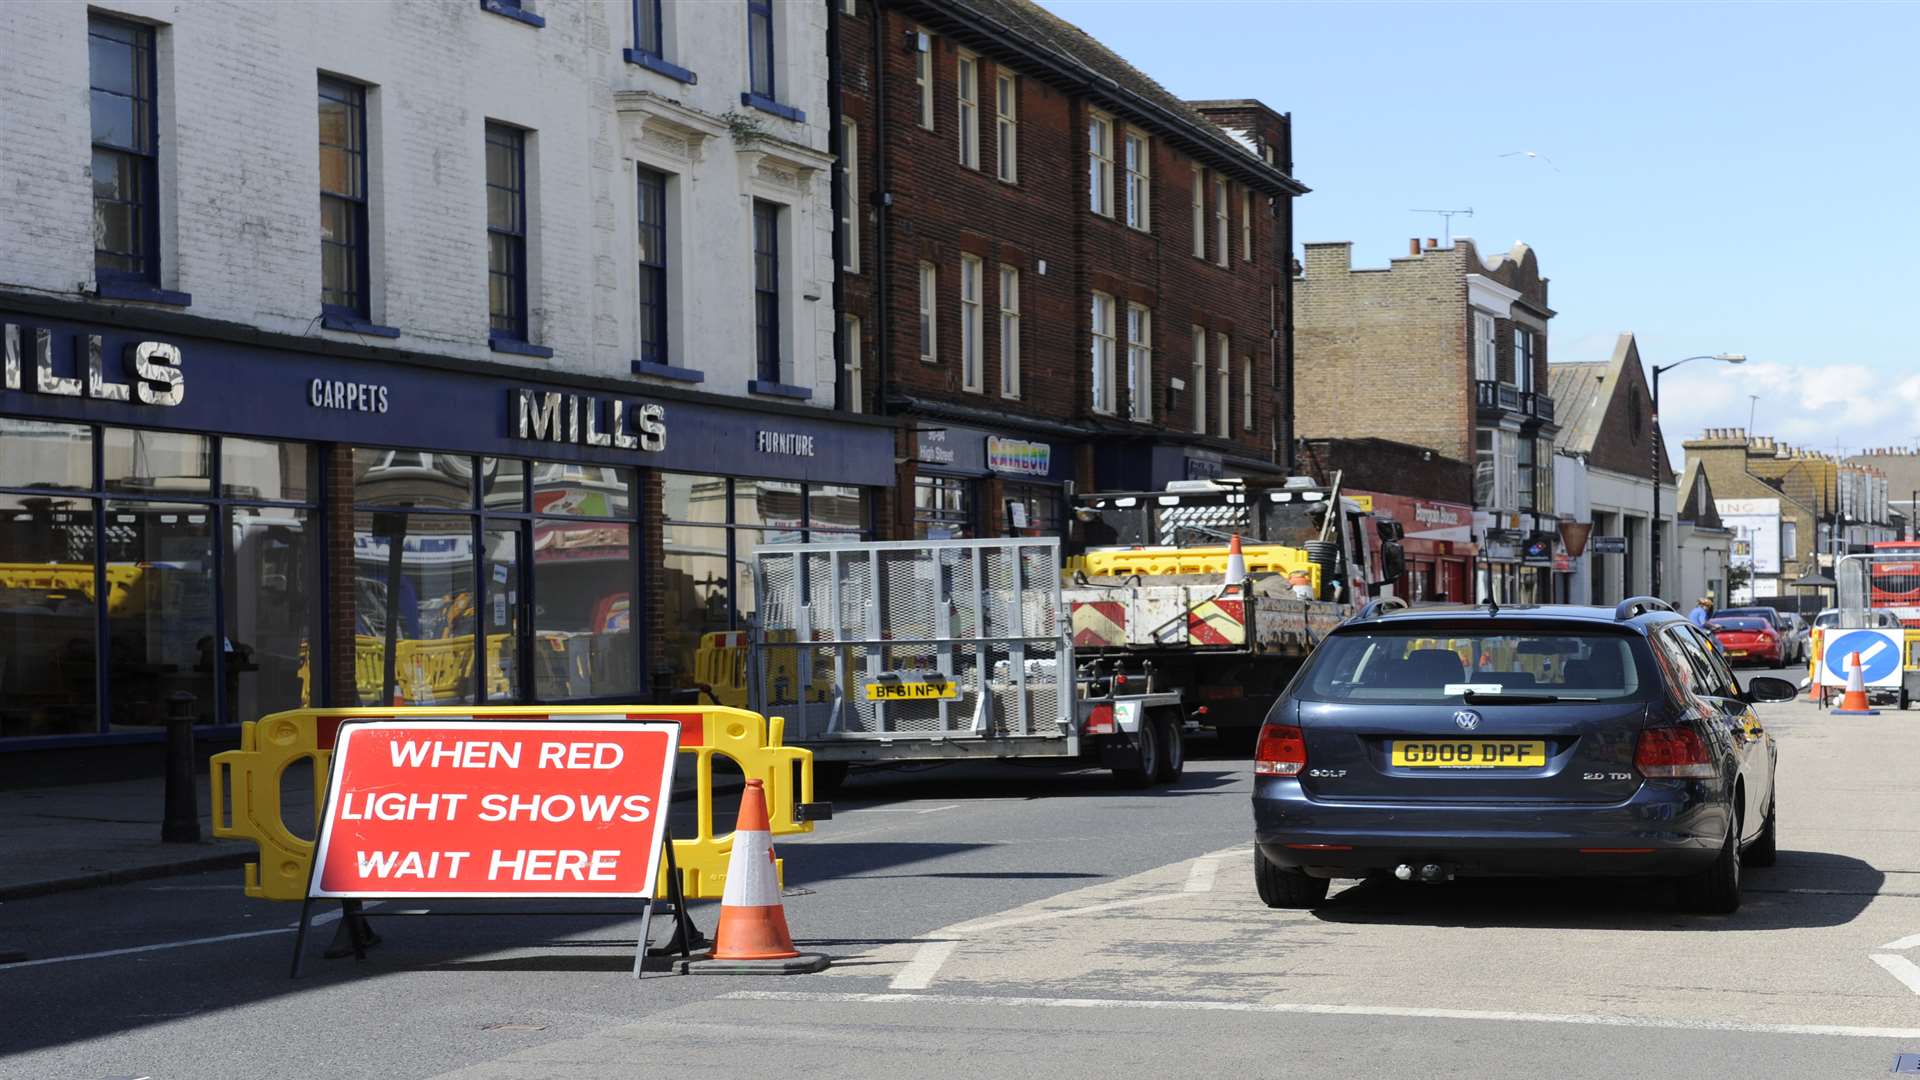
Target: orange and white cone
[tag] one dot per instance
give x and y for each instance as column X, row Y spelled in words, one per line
column 1854, row 702
column 1236, row 566
column 753, row 923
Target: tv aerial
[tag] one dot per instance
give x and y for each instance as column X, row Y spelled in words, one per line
column 1446, row 220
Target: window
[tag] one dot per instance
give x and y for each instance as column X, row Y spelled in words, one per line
column 1246, row 225
column 923, row 75
column 971, row 326
column 1139, row 362
column 850, row 7
column 1523, row 468
column 766, row 288
column 646, row 27
column 1523, row 358
column 653, row 266
column 1100, row 164
column 1102, row 373
column 942, row 508
column 851, row 207
column 968, row 93
column 1543, row 477
column 850, row 334
column 1198, row 178
column 1223, row 366
column 1486, row 464
column 126, row 216
column 1504, row 494
column 1246, row 394
column 1789, row 541
column 1220, row 221
column 507, row 232
column 1139, row 181
column 343, row 198
column 1009, row 332
column 1199, row 380
column 929, row 337
column 1006, row 105
column 760, row 47
column 1486, row 367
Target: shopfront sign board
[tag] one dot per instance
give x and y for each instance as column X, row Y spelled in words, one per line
column 1608, row 545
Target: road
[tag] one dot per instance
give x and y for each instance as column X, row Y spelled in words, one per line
column 1011, row 922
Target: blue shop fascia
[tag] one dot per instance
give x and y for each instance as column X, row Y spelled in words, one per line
column 208, row 518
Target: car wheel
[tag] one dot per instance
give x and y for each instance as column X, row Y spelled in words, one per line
column 1284, row 887
column 1147, row 762
column 1765, row 849
column 1716, row 890
column 1173, row 749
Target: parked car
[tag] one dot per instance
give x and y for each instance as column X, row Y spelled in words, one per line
column 1799, row 638
column 1871, row 618
column 1545, row 741
column 1751, row 641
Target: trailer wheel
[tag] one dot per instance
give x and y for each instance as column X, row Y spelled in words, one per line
column 1146, row 765
column 1173, row 748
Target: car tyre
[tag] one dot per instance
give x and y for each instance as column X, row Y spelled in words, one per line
column 1716, row 890
column 1284, row 887
column 1765, row 849
column 1146, row 767
column 1173, row 749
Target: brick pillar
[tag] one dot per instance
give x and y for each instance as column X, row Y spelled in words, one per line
column 336, row 496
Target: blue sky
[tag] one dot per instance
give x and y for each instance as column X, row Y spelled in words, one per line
column 1724, row 177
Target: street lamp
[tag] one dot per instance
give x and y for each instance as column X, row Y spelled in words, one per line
column 1653, row 527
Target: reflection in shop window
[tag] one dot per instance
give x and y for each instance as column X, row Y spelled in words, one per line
column 47, row 613
column 942, row 508
column 413, row 586
column 577, row 490
column 830, row 506
column 694, row 593
column 503, row 484
column 583, row 620
column 34, row 454
column 161, row 640
column 412, row 478
column 277, row 472
column 156, row 462
column 271, row 572
column 686, row 497
column 776, row 504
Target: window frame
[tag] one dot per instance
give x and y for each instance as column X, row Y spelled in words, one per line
column 966, row 84
column 973, row 352
column 1198, row 176
column 1102, row 356
column 929, row 313
column 1100, row 163
column 1486, row 359
column 1246, row 224
column 1137, row 150
column 768, row 359
column 852, row 341
column 1006, row 110
column 1223, row 368
column 762, row 67
column 1247, row 384
column 143, row 158
column 1200, row 375
column 850, row 204
column 1139, row 363
column 1009, row 332
column 1523, row 358
column 653, row 308
column 642, row 24
column 514, row 234
column 1222, row 220
column 360, row 305
column 923, row 74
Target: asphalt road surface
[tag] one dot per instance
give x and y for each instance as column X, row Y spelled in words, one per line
column 1016, row 922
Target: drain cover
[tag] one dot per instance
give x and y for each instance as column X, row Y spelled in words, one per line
column 1907, row 1063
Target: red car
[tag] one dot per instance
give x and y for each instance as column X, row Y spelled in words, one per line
column 1750, row 640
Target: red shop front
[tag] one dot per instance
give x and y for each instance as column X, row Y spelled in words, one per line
column 1439, row 545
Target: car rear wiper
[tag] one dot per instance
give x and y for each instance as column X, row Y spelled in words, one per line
column 1475, row 697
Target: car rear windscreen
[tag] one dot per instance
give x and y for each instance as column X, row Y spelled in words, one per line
column 1439, row 664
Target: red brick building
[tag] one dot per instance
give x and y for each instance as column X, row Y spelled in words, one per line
column 1052, row 269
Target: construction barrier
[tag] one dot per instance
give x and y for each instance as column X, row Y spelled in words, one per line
column 247, row 783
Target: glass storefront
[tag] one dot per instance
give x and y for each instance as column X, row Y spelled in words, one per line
column 137, row 566
column 1034, row 509
column 709, row 529
column 943, row 507
column 473, row 573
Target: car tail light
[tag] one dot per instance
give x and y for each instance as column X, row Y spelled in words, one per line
column 1282, row 751
column 1671, row 753
column 1100, row 720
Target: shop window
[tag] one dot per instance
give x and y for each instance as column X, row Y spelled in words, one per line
column 780, row 505
column 695, row 592
column 280, row 472
column 1033, row 510
column 697, row 499
column 583, row 643
column 161, row 640
column 412, row 478
column 582, row 490
column 270, row 581
column 503, row 577
column 942, row 508
column 48, row 678
column 414, row 587
column 37, row 454
column 503, row 484
column 158, row 462
column 836, row 508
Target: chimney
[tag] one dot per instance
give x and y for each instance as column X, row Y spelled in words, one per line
column 1432, row 244
column 1413, row 245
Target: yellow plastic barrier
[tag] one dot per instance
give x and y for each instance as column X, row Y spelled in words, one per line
column 1152, row 562
column 247, row 797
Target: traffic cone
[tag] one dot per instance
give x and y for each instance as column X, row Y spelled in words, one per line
column 1854, row 702
column 752, row 937
column 1236, row 566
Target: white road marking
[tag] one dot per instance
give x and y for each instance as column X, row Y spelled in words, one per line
column 919, row 972
column 145, row 948
column 900, row 809
column 1062, row 913
column 1900, row 968
column 1200, row 878
column 1262, row 1007
column 1903, row 944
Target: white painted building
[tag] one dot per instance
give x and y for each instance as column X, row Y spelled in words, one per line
column 236, row 158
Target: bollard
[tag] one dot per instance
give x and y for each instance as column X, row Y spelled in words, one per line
column 181, row 825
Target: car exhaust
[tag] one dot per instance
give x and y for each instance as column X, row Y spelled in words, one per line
column 1426, row 874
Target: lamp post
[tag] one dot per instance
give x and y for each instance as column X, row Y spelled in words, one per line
column 1653, row 526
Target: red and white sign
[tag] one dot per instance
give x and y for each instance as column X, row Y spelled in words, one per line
column 479, row 808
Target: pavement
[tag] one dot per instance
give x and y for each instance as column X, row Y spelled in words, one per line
column 1013, row 922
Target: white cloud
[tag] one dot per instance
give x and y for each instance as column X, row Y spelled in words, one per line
column 1827, row 407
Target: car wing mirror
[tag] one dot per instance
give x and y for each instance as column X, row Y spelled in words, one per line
column 1766, row 688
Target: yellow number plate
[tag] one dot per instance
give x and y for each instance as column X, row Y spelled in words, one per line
column 912, row 691
column 1469, row 753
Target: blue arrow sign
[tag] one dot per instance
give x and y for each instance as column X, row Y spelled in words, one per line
column 1879, row 655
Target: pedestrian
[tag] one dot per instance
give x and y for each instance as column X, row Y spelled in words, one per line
column 1701, row 612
